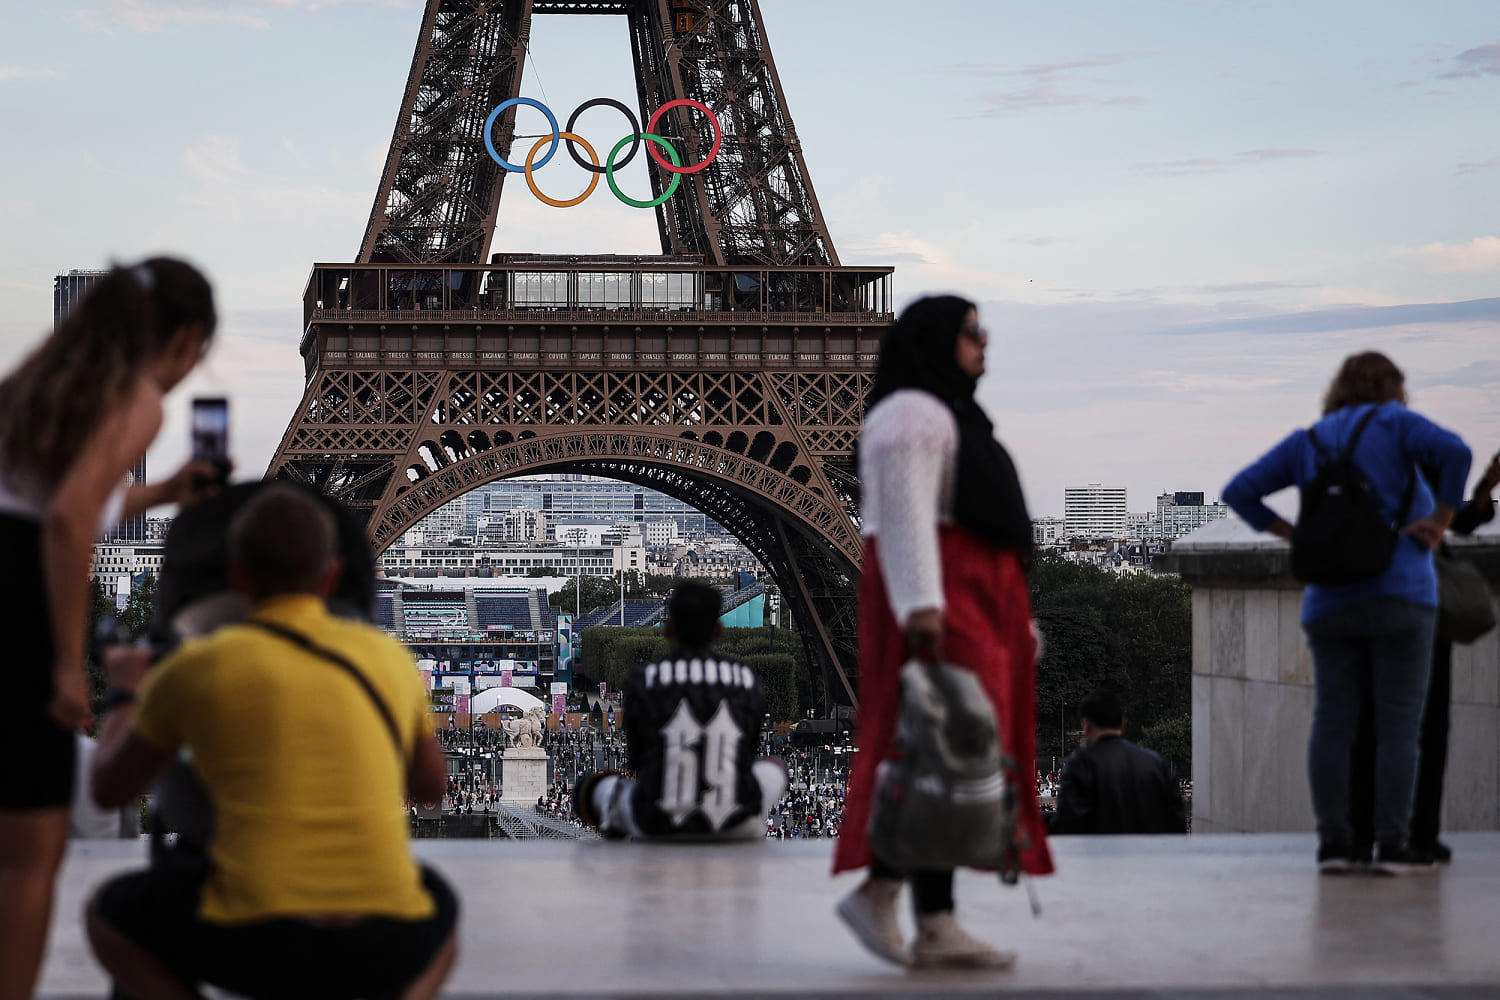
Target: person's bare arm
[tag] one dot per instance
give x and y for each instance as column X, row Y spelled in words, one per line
column 192, row 482
column 123, row 435
column 125, row 764
column 427, row 777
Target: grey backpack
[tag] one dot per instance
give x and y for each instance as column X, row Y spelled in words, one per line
column 942, row 800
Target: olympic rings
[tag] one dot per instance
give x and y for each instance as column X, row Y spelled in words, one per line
column 609, row 172
column 635, row 132
column 712, row 153
column 489, row 124
column 560, row 137
column 593, row 179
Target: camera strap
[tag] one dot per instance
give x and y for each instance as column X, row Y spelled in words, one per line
column 307, row 645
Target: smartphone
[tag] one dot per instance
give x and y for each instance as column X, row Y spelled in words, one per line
column 211, row 433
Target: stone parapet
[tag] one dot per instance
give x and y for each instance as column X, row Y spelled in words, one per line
column 1252, row 688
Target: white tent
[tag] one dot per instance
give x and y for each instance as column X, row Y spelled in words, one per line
column 491, row 699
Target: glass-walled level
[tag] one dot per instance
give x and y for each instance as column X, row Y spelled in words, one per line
column 863, row 293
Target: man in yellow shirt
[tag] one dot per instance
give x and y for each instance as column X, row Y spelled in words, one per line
column 308, row 732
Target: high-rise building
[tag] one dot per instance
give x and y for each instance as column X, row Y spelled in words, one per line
column 1178, row 513
column 1095, row 511
column 67, row 289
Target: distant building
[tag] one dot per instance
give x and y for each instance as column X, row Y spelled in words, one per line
column 661, row 533
column 522, row 524
column 117, row 565
column 1049, row 531
column 441, row 526
column 1180, row 512
column 421, row 560
column 1095, row 511
column 1141, row 525
column 67, row 290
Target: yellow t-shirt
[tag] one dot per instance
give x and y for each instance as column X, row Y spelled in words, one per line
column 308, row 790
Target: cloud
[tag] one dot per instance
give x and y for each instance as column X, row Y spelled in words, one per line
column 1480, row 255
column 1481, row 61
column 156, row 15
column 1350, row 318
column 26, row 73
column 1475, row 166
column 1042, row 86
column 1241, row 287
column 1214, row 165
column 230, row 192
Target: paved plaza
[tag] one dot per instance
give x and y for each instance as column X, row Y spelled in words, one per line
column 1221, row 916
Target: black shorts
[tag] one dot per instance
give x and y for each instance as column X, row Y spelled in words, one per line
column 37, row 757
column 274, row 959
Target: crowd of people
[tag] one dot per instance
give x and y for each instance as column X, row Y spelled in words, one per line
column 807, row 813
column 466, row 795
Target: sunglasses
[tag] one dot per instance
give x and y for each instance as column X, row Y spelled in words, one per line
column 975, row 333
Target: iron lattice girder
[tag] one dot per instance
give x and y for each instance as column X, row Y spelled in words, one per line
column 396, row 444
column 440, row 190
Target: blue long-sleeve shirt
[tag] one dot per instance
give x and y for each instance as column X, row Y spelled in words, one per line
column 1388, row 453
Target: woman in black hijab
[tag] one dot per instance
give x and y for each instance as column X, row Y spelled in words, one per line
column 947, row 539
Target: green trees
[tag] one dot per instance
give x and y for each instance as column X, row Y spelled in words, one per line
column 662, row 584
column 612, row 654
column 598, row 592
column 134, row 620
column 1129, row 633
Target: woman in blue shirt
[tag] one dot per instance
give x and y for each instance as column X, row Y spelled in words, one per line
column 1375, row 634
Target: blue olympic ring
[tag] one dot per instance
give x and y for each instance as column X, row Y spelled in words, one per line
column 489, row 124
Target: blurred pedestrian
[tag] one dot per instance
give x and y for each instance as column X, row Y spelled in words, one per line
column 947, row 537
column 1377, row 631
column 1427, row 805
column 75, row 417
column 1111, row 785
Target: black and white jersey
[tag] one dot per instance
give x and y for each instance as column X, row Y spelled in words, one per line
column 693, row 725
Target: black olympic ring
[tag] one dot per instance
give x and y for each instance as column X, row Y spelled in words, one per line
column 635, row 130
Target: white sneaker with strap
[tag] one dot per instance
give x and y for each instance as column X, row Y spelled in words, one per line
column 941, row 943
column 870, row 912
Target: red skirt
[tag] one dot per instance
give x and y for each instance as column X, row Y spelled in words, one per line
column 987, row 629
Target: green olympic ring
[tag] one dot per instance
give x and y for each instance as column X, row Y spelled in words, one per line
column 609, row 170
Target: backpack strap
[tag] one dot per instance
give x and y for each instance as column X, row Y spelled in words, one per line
column 1346, row 454
column 1359, row 429
column 307, row 645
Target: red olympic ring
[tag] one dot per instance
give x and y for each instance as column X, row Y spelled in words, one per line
column 712, row 153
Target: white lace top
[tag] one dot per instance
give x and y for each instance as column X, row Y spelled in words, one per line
column 908, row 458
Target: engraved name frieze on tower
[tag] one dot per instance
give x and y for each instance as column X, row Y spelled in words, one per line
column 730, row 371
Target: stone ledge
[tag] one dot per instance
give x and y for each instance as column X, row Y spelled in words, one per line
column 1230, row 553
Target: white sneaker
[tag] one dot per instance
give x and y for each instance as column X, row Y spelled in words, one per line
column 941, row 943
column 870, row 912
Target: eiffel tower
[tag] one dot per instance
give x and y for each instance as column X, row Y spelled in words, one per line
column 729, row 372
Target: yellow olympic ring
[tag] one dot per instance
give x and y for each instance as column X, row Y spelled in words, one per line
column 593, row 178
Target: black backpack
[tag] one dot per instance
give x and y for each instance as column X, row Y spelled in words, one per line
column 1340, row 536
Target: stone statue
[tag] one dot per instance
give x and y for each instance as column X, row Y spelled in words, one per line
column 527, row 730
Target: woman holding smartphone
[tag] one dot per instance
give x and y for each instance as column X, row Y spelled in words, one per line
column 75, row 417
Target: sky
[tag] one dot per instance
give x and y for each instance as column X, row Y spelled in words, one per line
column 1177, row 215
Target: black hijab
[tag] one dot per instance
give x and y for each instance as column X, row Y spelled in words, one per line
column 918, row 352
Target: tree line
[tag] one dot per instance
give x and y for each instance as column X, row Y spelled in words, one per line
column 1132, row 634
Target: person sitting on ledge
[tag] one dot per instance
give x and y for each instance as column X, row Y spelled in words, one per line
column 308, row 733
column 692, row 725
column 1111, row 785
